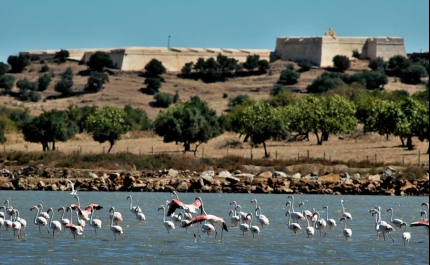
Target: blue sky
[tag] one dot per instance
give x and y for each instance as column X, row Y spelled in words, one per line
column 252, row 24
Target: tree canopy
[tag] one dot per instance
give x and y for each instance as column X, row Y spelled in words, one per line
column 99, row 60
column 190, row 122
column 106, row 124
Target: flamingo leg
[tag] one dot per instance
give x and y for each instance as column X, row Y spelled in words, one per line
column 391, row 236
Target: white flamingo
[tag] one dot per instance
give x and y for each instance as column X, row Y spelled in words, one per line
column 384, row 228
column 208, row 228
column 139, row 215
column 169, row 225
column 64, row 221
column 331, row 222
column 81, row 222
column 306, row 213
column 54, row 225
column 74, row 192
column 347, row 232
column 234, row 218
column 396, row 222
column 242, row 215
column 310, row 230
column 345, row 214
column 116, row 229
column 320, row 223
column 83, row 214
column 253, row 228
column 76, row 230
column 39, row 220
column 8, row 209
column 95, row 223
column 16, row 225
column 427, row 205
column 134, row 209
column 296, row 216
column 292, row 226
column 42, row 213
column 22, row 221
column 115, row 216
column 405, row 235
column 1, row 223
column 262, row 219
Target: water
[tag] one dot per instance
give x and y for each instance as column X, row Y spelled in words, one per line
column 149, row 243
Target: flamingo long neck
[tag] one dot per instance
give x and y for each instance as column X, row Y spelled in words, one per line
column 256, row 212
column 51, row 216
column 16, row 215
column 292, row 204
column 164, row 215
column 289, row 203
column 71, row 214
column 256, row 205
column 176, row 194
column 250, row 222
column 77, row 216
column 7, row 203
column 131, row 203
column 289, row 218
column 344, row 227
column 343, row 207
column 326, row 213
column 92, row 213
column 79, row 201
column 62, row 215
column 113, row 216
column 37, row 214
column 203, row 208
column 391, row 218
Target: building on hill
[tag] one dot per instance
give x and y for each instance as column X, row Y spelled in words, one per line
column 321, row 50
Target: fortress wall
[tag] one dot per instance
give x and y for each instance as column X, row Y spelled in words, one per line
column 341, row 46
column 297, row 49
column 385, row 47
column 173, row 60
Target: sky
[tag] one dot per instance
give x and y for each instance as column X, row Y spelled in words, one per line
column 240, row 24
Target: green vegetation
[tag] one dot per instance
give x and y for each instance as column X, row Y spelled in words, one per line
column 99, row 60
column 155, row 68
column 289, row 77
column 18, row 63
column 61, row 56
column 305, row 65
column 96, row 81
column 163, row 100
column 341, row 62
column 65, row 85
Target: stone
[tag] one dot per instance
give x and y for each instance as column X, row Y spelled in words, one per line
column 233, row 180
column 206, row 180
column 375, row 177
column 172, row 173
column 265, row 174
column 279, row 174
column 345, row 175
column 296, row 176
column 224, row 174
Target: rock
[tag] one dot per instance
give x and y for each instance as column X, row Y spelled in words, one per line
column 375, row 177
column 224, row 174
column 249, row 180
column 266, row 174
column 182, row 187
column 279, row 174
column 345, row 175
column 206, row 180
column 7, row 186
column 93, row 175
column 172, row 173
column 244, row 175
column 233, row 180
column 237, row 172
column 296, row 176
column 356, row 176
column 209, row 173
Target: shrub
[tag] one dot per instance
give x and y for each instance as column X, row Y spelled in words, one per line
column 68, row 74
column 370, row 79
column 44, row 68
column 251, row 62
column 356, row 54
column 96, row 80
column 238, row 100
column 4, row 68
column 155, row 68
column 43, row 82
column 153, row 85
column 62, row 55
column 397, row 64
column 278, row 89
column 64, row 87
column 29, row 95
column 305, row 65
column 187, row 69
column 289, row 77
column 176, row 97
column 18, row 63
column 99, row 60
column 163, row 100
column 341, row 62
column 289, row 66
column 413, row 74
column 25, row 84
column 7, row 82
column 263, row 66
column 325, row 82
column 378, row 64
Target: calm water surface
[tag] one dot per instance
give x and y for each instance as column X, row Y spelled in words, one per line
column 149, row 243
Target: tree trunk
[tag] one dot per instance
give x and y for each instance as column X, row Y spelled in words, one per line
column 187, row 146
column 45, row 146
column 409, row 143
column 403, row 141
column 387, row 136
column 319, row 139
column 53, row 146
column 110, row 147
column 266, row 154
column 325, row 136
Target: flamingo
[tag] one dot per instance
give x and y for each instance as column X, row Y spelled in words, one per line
column 310, row 231
column 134, row 209
column 384, row 228
column 189, row 208
column 39, row 220
column 331, row 222
column 211, row 219
column 345, row 214
column 396, row 222
column 294, row 215
column 81, row 222
column 76, row 230
column 22, row 221
column 423, row 214
column 242, row 215
column 253, row 228
column 244, row 227
column 84, row 214
column 16, row 225
column 405, row 235
column 418, row 223
column 74, row 192
column 139, row 215
column 42, row 213
column 64, row 221
column 292, row 226
column 427, row 205
column 169, row 225
column 320, row 223
column 234, row 218
column 9, row 209
column 1, row 222
column 306, row 213
column 55, row 225
column 115, row 216
column 95, row 223
column 262, row 219
column 116, row 229
column 347, row 232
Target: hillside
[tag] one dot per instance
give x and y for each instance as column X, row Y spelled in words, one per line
column 124, row 87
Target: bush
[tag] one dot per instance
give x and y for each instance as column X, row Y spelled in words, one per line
column 25, row 85
column 18, row 63
column 289, row 66
column 155, row 68
column 153, row 85
column 29, row 95
column 278, row 89
column 224, row 95
column 397, row 64
column 99, row 60
column 413, row 74
column 68, row 74
column 325, row 82
column 4, row 68
column 163, row 100
column 356, row 54
column 43, row 82
column 64, row 87
column 370, row 79
column 238, row 100
column 96, row 80
column 187, row 69
column 263, row 66
column 44, row 69
column 305, row 65
column 289, row 77
column 341, row 62
column 176, row 97
column 378, row 64
column 7, row 82
column 251, row 62
column 62, row 55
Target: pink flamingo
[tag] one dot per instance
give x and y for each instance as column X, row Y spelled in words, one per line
column 169, row 225
column 406, row 236
column 39, row 220
column 55, row 225
column 292, row 226
column 116, row 229
column 347, row 232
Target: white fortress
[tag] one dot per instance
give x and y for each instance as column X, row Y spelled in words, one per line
column 318, row 50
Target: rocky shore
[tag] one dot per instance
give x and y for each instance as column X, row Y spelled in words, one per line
column 55, row 179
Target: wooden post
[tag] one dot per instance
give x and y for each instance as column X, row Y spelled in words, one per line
column 419, row 157
column 251, row 154
column 276, row 155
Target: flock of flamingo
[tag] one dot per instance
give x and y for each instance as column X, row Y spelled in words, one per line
column 194, row 215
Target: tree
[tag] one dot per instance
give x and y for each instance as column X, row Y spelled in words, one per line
column 4, row 68
column 305, row 65
column 43, row 82
column 106, row 124
column 152, row 85
column 62, row 55
column 65, row 85
column 163, row 100
column 238, row 100
column 259, row 122
column 397, row 64
column 413, row 74
column 341, row 62
column 96, row 80
column 378, row 64
column 137, row 119
column 155, row 68
column 187, row 69
column 3, row 138
column 7, row 82
column 370, row 79
column 251, row 62
column 190, row 122
column 99, row 60
column 325, row 82
column 323, row 116
column 263, row 66
column 49, row 127
column 18, row 63
column 289, row 77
